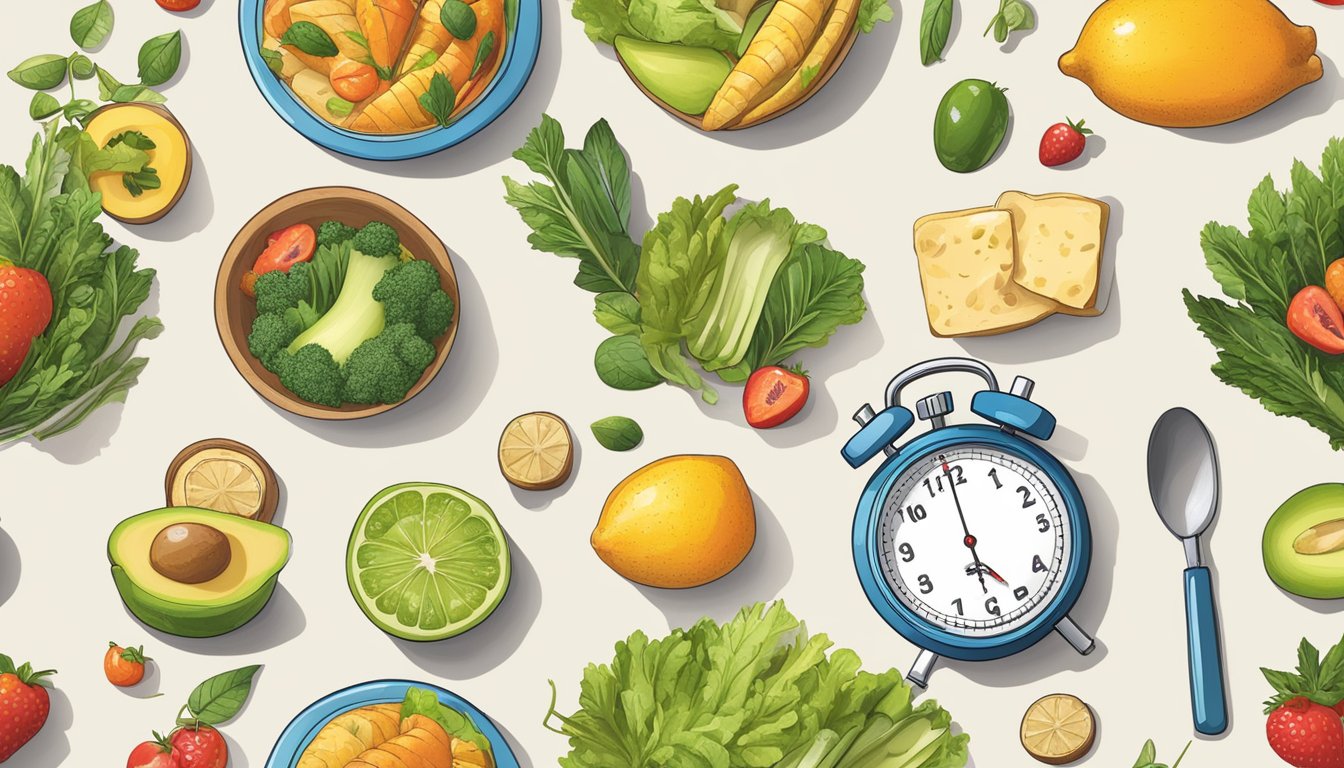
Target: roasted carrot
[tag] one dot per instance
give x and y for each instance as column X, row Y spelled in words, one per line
column 837, row 28
column 275, row 17
column 776, row 49
column 429, row 37
column 385, row 24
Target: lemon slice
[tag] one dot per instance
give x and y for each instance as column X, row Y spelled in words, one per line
column 224, row 476
column 536, row 451
column 1058, row 729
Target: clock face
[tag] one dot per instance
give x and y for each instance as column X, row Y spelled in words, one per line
column 974, row 540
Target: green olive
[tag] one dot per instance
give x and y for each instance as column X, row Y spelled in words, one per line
column 970, row 125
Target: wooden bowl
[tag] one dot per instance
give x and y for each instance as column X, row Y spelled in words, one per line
column 695, row 122
column 235, row 311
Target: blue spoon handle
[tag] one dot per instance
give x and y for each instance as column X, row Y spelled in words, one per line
column 1206, row 661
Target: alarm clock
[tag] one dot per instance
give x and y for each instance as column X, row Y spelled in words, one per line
column 970, row 540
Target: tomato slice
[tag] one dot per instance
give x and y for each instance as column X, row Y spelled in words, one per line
column 1315, row 318
column 178, row 5
column 286, row 248
column 774, row 395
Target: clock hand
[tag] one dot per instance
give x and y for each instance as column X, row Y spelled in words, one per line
column 970, row 540
column 984, row 568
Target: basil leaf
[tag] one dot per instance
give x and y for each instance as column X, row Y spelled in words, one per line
column 483, row 52
column 274, row 61
column 621, row 364
column 618, row 433
column 40, row 72
column 91, row 25
column 79, row 109
column 339, row 107
column 219, row 699
column 82, row 67
column 107, row 83
column 935, row 24
column 43, row 105
column 133, row 93
column 159, row 58
column 439, row 99
column 309, row 38
column 458, row 18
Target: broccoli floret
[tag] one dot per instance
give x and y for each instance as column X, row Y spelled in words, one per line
column 377, row 239
column 410, row 293
column 311, row 374
column 271, row 333
column 334, row 233
column 384, row 368
column 277, row 291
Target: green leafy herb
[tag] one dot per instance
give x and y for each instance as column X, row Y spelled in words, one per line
column 439, row 99
column 618, row 433
column 483, row 52
column 871, row 12
column 81, row 67
column 621, row 364
column 127, row 94
column 755, row 691
column 311, row 39
column 458, row 18
column 422, row 702
column 43, row 105
column 339, row 107
column 79, row 109
column 809, row 74
column 356, row 36
column 219, row 699
column 274, row 61
column 1013, row 15
column 159, row 58
column 136, row 183
column 133, row 139
column 427, row 60
column 686, row 22
column 91, row 25
column 1294, row 236
column 935, row 25
column 1320, row 681
column 1148, row 756
column 618, row 312
column 40, row 73
column 107, row 83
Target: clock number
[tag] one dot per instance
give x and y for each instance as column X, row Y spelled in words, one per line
column 915, row 513
column 1036, row 565
column 994, row 475
column 1043, row 523
column 907, row 552
column 1020, row 593
column 1027, row 501
column 992, row 606
column 955, row 472
column 957, row 604
column 925, row 584
column 931, row 482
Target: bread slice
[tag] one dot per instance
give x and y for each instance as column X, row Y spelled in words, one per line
column 1060, row 239
column 966, row 261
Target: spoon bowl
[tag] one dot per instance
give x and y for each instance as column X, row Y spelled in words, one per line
column 1183, row 473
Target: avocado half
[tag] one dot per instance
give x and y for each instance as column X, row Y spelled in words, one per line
column 223, row 604
column 1298, row 561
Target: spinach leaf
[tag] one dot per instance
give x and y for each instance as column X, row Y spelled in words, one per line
column 458, row 18
column 311, row 39
column 43, row 105
column 40, row 73
column 107, row 83
column 621, row 364
column 617, row 311
column 935, row 25
column 159, row 59
column 91, row 25
column 439, row 99
column 618, row 433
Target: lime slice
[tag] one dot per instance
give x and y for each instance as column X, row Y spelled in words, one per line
column 426, row 561
column 1058, row 729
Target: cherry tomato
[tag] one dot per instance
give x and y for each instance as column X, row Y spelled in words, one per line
column 124, row 667
column 290, row 246
column 153, row 754
column 200, row 747
column 178, row 5
column 774, row 395
column 354, row 81
column 1315, row 318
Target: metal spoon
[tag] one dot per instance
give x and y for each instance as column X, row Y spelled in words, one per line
column 1183, row 483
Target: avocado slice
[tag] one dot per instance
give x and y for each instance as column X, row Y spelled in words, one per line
column 1303, row 544
column 222, row 604
column 681, row 76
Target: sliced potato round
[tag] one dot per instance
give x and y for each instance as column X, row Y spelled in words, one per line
column 225, row 476
column 1058, row 729
column 536, row 451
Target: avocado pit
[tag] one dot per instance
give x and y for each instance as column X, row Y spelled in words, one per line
column 1321, row 539
column 190, row 553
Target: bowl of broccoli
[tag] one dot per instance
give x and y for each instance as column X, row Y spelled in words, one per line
column 336, row 303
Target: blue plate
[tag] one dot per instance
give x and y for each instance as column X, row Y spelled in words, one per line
column 301, row 730
column 520, row 56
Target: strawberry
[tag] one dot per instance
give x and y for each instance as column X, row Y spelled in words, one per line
column 1303, row 727
column 24, row 705
column 200, row 746
column 25, row 311
column 1063, row 143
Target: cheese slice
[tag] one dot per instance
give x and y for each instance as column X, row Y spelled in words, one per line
column 966, row 261
column 1060, row 239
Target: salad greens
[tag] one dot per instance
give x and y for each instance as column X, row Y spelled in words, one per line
column 758, row 691
column 1294, row 236
column 728, row 292
column 702, row 23
column 422, row 702
column 1148, row 757
column 49, row 223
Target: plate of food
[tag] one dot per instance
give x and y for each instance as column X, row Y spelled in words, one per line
column 390, row 79
column 392, row 724
column 337, row 303
column 730, row 64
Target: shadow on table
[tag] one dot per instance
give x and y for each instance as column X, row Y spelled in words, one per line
column 279, row 622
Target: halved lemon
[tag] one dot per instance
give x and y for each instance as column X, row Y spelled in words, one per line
column 1058, row 729
column 536, row 451
column 225, row 476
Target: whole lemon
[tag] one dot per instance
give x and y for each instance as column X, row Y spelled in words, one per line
column 1191, row 63
column 679, row 522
